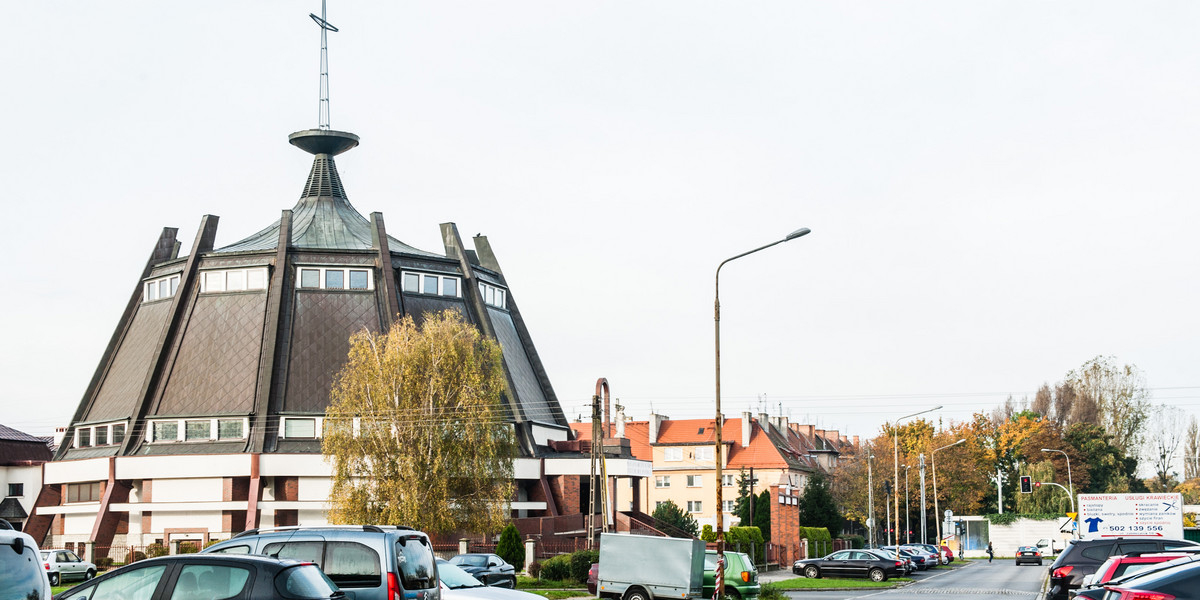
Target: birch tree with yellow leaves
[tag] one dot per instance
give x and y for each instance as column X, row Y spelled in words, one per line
column 417, row 431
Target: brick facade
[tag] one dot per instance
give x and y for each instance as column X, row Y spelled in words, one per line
column 785, row 523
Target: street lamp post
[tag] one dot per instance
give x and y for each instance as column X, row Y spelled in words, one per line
column 907, row 527
column 896, row 466
column 720, row 517
column 937, row 515
column 1070, row 482
column 870, row 503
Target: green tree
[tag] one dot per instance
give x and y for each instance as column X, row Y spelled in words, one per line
column 416, row 430
column 510, row 547
column 817, row 507
column 762, row 514
column 741, row 505
column 670, row 513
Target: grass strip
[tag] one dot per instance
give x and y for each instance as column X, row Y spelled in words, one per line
column 804, row 583
column 561, row 594
column 530, row 583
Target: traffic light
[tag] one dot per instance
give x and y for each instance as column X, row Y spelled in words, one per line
column 1026, row 485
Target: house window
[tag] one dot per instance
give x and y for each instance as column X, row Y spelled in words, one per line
column 300, row 428
column 704, row 453
column 695, row 506
column 166, row 431
column 83, row 492
column 728, row 505
column 161, row 288
column 197, row 430
column 85, row 437
column 118, row 433
column 16, row 489
column 693, row 481
column 234, row 280
column 672, row 454
column 492, row 295
column 662, row 481
column 726, row 480
column 228, row 429
column 102, row 436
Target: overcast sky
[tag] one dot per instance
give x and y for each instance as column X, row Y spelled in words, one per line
column 997, row 191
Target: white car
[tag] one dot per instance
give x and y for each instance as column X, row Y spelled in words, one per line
column 457, row 584
column 21, row 572
column 62, row 565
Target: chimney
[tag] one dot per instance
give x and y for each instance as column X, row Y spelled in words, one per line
column 620, row 421
column 655, row 422
column 855, row 440
column 783, row 424
column 764, row 419
column 747, row 428
column 806, row 430
column 834, row 436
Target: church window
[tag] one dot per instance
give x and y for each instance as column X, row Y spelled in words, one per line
column 118, row 433
column 334, row 278
column 358, row 279
column 256, row 279
column 200, row 429
column 161, row 288
column 310, row 278
column 102, row 436
column 233, row 280
column 412, row 283
column 428, row 283
column 450, row 286
column 83, row 492
column 305, row 427
column 230, row 429
column 166, row 431
column 492, row 295
column 85, row 437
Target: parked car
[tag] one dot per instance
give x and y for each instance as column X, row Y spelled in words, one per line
column 1082, row 557
column 369, row 562
column 1028, row 554
column 593, row 576
column 210, row 576
column 21, row 569
column 457, row 584
column 933, row 556
column 1093, row 589
column 62, row 565
column 487, row 568
column 948, row 553
column 1046, row 547
column 849, row 563
column 741, row 577
column 933, row 550
column 908, row 567
column 920, row 560
column 1177, row 582
column 1120, row 567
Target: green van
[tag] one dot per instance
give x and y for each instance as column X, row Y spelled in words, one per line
column 741, row 578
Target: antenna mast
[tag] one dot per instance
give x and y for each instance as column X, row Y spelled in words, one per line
column 323, row 117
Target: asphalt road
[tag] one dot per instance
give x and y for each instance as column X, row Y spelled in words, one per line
column 999, row 580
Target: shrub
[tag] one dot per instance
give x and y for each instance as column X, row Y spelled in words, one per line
column 136, row 556
column 510, row 547
column 856, row 541
column 581, row 563
column 748, row 540
column 557, row 568
column 771, row 591
column 155, row 550
column 104, row 562
column 535, row 570
column 707, row 534
column 820, row 542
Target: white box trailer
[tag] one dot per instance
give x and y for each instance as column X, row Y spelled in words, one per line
column 643, row 567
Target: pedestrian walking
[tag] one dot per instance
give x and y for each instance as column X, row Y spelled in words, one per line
column 990, row 552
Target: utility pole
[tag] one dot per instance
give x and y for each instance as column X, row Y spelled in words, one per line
column 870, row 502
column 596, row 450
column 999, row 493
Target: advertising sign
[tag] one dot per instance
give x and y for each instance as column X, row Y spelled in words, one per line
column 1125, row 515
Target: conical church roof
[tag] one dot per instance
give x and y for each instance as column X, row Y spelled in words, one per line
column 323, row 218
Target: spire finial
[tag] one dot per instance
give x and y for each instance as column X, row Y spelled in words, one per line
column 323, row 118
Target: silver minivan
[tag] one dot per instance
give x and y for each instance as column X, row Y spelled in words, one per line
column 21, row 572
column 367, row 562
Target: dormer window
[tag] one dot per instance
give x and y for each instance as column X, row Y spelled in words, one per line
column 161, row 288
column 335, row 278
column 492, row 295
column 233, row 280
column 429, row 283
column 198, row 429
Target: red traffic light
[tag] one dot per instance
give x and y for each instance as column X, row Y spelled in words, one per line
column 1037, row 484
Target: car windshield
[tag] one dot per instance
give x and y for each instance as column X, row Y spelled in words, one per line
column 470, row 560
column 45, row 555
column 456, row 578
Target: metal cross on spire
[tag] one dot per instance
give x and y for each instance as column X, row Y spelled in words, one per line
column 323, row 118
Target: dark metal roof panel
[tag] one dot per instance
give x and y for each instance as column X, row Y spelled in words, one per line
column 216, row 371
column 10, row 434
column 118, row 394
column 528, row 389
column 11, row 509
column 419, row 306
column 182, row 448
column 78, row 453
column 321, row 332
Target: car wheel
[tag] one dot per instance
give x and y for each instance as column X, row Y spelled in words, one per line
column 812, row 572
column 877, row 575
column 53, row 578
column 90, row 574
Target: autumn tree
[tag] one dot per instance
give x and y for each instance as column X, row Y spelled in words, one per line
column 1167, row 433
column 417, row 432
column 1191, row 451
column 1122, row 397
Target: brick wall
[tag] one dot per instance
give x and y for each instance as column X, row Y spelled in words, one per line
column 785, row 527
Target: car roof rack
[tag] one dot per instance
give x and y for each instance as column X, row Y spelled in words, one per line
column 372, row 528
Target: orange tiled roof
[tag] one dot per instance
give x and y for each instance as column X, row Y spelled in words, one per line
column 637, row 432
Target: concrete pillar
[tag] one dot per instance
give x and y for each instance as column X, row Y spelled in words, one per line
column 463, row 545
column 530, row 553
column 89, row 551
